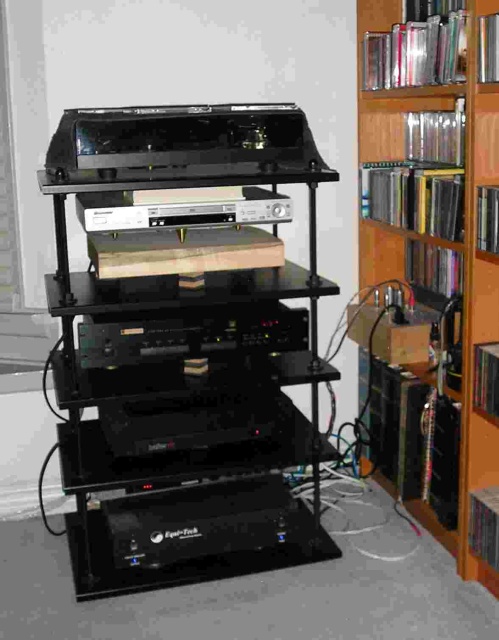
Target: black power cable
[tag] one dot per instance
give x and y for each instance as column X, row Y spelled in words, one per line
column 44, row 379
column 55, row 446
column 40, row 496
column 358, row 425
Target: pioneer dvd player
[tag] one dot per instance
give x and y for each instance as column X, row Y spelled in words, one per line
column 112, row 211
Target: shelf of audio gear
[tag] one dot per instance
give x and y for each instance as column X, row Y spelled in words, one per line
column 282, row 442
column 159, row 427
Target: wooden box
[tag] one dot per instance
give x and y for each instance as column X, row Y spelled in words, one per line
column 396, row 344
column 152, row 253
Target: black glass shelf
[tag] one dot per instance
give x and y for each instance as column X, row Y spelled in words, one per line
column 313, row 546
column 162, row 292
column 168, row 380
column 292, row 445
column 240, row 174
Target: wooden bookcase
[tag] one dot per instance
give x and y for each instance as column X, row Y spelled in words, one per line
column 382, row 252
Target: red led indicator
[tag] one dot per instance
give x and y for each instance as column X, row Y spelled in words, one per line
column 257, row 432
column 147, row 486
column 269, row 323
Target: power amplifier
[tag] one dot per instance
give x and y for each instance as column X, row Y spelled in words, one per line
column 217, row 518
column 106, row 341
column 161, row 426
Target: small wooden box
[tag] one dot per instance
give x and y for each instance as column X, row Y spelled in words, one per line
column 396, row 344
column 161, row 253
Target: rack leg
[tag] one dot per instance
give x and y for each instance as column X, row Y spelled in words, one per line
column 274, row 226
column 61, row 239
column 69, row 351
column 74, row 418
column 314, row 281
column 315, row 464
column 81, row 504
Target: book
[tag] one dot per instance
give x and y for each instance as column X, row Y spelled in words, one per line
column 488, row 219
column 444, row 486
column 483, row 536
column 486, row 383
column 412, row 400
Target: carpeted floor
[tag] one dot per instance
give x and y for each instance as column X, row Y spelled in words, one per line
column 354, row 598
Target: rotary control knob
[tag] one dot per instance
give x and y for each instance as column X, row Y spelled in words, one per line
column 278, row 210
column 156, row 537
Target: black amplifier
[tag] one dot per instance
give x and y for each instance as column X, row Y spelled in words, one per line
column 109, row 341
column 161, row 426
column 209, row 519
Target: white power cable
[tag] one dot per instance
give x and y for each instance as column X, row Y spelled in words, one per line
column 306, row 493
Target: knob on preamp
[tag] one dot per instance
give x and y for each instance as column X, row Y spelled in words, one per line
column 278, row 210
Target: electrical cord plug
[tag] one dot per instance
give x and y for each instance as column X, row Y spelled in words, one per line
column 398, row 315
column 412, row 301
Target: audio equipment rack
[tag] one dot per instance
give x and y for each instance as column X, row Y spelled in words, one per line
column 86, row 464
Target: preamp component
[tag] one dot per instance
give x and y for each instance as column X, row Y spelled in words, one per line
column 241, row 515
column 109, row 212
column 163, row 426
column 110, row 341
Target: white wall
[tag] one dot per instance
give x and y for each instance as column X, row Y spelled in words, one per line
column 124, row 52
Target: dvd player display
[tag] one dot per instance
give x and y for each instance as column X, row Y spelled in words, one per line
column 209, row 519
column 109, row 212
column 109, row 341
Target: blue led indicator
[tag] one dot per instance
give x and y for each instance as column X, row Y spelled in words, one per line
column 281, row 537
column 134, row 561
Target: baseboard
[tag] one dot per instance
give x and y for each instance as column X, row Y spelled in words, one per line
column 18, row 502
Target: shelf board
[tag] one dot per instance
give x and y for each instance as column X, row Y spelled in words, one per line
column 293, row 446
column 430, row 91
column 238, row 174
column 109, row 581
column 494, row 420
column 487, row 256
column 413, row 235
column 167, row 379
column 486, row 181
column 424, row 514
column 486, row 575
column 487, row 87
column 162, row 292
column 420, row 370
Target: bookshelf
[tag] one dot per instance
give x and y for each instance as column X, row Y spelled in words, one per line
column 382, row 253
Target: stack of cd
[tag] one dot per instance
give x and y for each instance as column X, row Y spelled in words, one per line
column 434, row 268
column 436, row 136
column 417, row 53
column 488, row 219
column 484, row 525
column 423, row 9
column 488, row 48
